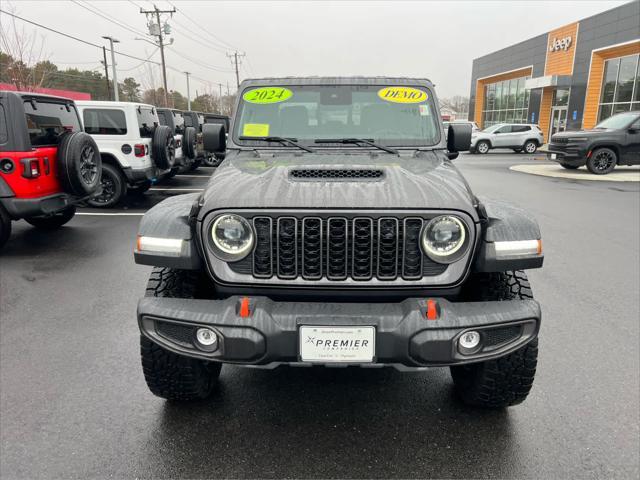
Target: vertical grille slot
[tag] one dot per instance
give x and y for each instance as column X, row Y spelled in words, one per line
column 337, row 236
column 387, row 248
column 287, row 250
column 263, row 253
column 362, row 249
column 411, row 252
column 312, row 248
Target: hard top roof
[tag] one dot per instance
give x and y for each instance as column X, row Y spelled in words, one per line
column 37, row 95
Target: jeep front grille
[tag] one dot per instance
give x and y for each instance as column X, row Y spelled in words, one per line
column 338, row 248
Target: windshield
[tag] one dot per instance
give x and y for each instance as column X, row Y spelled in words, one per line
column 492, row 128
column 618, row 121
column 401, row 116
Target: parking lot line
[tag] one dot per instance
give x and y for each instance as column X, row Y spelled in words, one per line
column 178, row 189
column 112, row 214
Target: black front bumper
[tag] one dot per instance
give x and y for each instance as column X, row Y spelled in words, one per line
column 31, row 207
column 571, row 154
column 269, row 335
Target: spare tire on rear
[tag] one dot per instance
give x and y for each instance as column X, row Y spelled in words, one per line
column 189, row 142
column 79, row 164
column 163, row 147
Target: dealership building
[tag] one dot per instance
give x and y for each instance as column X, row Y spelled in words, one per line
column 566, row 79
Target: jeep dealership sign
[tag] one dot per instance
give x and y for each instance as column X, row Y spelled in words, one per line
column 560, row 44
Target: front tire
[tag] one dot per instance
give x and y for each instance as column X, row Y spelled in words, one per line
column 530, row 146
column 54, row 221
column 602, row 161
column 114, row 188
column 507, row 380
column 483, row 147
column 169, row 375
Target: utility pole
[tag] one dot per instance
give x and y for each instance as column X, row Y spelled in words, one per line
column 157, row 13
column 234, row 61
column 113, row 65
column 188, row 92
column 106, row 71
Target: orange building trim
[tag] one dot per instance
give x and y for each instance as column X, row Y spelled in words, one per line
column 596, row 77
column 561, row 50
column 483, row 82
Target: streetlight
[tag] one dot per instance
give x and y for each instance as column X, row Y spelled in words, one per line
column 113, row 63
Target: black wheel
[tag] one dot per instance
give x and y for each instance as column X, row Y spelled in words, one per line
column 507, row 380
column 5, row 226
column 163, row 147
column 114, row 188
column 79, row 164
column 482, row 147
column 530, row 146
column 602, row 161
column 140, row 188
column 569, row 167
column 189, row 142
column 51, row 222
column 168, row 375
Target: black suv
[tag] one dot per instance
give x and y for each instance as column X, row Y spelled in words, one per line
column 338, row 232
column 614, row 141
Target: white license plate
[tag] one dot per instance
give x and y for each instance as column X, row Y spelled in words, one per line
column 337, row 344
column 553, row 156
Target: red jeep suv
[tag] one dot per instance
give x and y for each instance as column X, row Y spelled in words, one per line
column 47, row 163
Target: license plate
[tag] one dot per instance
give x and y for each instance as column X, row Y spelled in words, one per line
column 554, row 156
column 337, row 344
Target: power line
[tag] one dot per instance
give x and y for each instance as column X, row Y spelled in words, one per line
column 98, row 12
column 221, row 42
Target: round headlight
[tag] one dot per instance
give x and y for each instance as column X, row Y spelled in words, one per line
column 232, row 237
column 443, row 237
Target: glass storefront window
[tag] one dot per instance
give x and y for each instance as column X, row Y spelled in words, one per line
column 620, row 86
column 506, row 101
column 561, row 97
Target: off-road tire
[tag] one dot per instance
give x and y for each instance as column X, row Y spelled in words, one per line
column 602, row 161
column 168, row 375
column 163, row 147
column 189, row 142
column 78, row 164
column 114, row 188
column 569, row 167
column 54, row 221
column 5, row 226
column 483, row 145
column 505, row 381
column 530, row 147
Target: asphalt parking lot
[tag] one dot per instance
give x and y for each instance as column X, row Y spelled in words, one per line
column 73, row 402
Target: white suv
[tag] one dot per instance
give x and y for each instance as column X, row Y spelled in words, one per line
column 520, row 137
column 136, row 150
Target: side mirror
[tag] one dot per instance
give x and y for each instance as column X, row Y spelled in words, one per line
column 458, row 139
column 214, row 138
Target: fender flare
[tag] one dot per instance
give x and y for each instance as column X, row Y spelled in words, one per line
column 170, row 219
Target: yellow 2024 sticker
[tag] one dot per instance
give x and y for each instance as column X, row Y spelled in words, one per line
column 402, row 95
column 267, row 95
column 255, row 130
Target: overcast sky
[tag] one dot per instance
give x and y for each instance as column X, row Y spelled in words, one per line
column 437, row 40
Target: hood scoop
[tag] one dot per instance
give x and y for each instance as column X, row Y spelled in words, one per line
column 336, row 174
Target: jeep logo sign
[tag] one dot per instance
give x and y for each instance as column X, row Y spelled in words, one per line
column 562, row 44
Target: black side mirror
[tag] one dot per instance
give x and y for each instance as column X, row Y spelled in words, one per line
column 458, row 139
column 214, row 137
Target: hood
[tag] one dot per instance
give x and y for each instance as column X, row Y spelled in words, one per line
column 427, row 180
column 581, row 133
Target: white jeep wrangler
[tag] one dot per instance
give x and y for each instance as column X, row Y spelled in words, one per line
column 136, row 150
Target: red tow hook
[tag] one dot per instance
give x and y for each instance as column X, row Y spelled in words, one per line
column 244, row 307
column 432, row 309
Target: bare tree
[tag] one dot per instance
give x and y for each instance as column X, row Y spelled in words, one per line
column 25, row 50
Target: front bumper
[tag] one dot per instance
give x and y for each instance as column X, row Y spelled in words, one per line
column 269, row 335
column 570, row 154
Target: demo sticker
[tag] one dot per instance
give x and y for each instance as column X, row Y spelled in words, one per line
column 267, row 95
column 255, row 130
column 402, row 95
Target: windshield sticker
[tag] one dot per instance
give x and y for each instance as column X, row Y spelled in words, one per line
column 424, row 110
column 267, row 95
column 255, row 130
column 402, row 95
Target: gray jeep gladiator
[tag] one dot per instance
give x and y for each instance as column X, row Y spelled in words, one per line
column 338, row 232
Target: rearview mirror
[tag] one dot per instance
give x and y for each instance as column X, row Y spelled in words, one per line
column 214, row 137
column 458, row 139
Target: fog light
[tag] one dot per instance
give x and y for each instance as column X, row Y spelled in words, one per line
column 206, row 338
column 469, row 342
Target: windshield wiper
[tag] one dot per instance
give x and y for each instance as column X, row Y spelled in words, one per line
column 281, row 140
column 356, row 141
